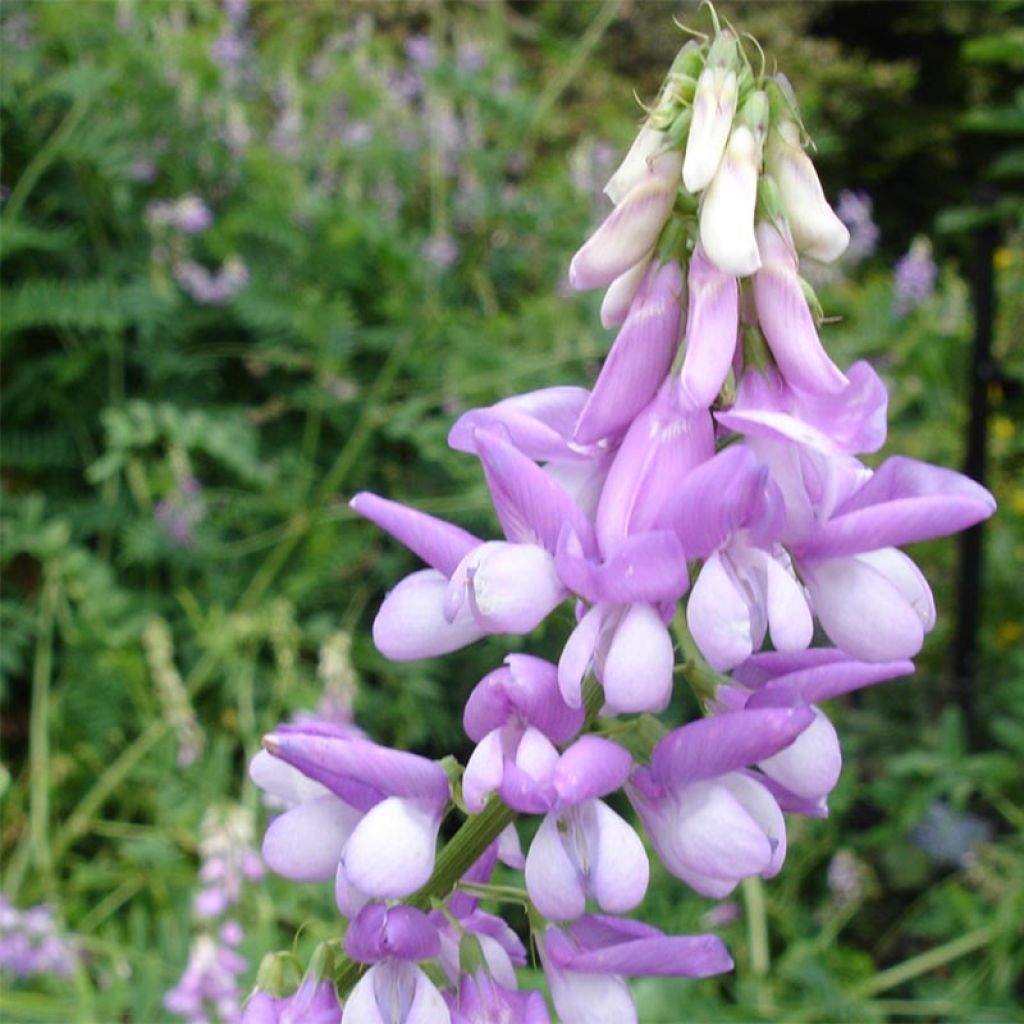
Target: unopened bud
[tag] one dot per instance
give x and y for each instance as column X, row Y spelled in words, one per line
column 278, row 974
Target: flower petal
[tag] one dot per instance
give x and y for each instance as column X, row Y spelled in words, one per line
column 718, row 616
column 552, row 880
column 639, row 358
column 712, row 328
column 591, row 767
column 726, row 742
column 440, row 544
column 637, row 670
column 391, row 852
column 411, row 623
column 619, row 869
column 862, row 611
column 305, row 843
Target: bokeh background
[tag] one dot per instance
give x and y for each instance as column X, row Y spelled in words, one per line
column 257, row 257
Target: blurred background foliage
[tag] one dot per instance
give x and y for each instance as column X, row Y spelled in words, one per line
column 258, row 259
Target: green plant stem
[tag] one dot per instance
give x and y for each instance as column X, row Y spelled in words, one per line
column 43, row 158
column 757, row 938
column 574, row 66
column 39, row 734
column 925, row 962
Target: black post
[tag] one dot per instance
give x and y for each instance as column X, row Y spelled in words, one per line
column 965, row 651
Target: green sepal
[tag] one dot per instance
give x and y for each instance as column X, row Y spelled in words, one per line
column 769, row 201
column 756, row 354
column 689, row 61
column 813, row 302
column 471, row 955
column 279, row 974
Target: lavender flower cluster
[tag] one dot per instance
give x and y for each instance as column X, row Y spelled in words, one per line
column 210, row 989
column 31, row 942
column 706, row 494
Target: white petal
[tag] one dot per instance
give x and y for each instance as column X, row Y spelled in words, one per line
column 305, row 843
column 552, row 880
column 637, row 670
column 619, row 869
column 391, row 851
column 810, row 765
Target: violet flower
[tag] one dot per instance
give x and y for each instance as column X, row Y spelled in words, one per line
column 375, row 828
column 712, row 822
column 586, row 965
column 394, row 990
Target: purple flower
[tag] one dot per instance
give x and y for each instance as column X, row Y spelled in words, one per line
column 209, row 984
column 586, row 965
column 420, row 51
column 372, row 822
column 394, row 990
column 914, row 277
column 441, row 251
column 712, row 822
column 31, row 942
column 854, row 209
column 315, row 1002
column 211, row 289
column 480, row 999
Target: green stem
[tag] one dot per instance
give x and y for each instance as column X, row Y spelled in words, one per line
column 39, row 734
column 573, row 67
column 925, row 962
column 757, row 939
column 43, row 158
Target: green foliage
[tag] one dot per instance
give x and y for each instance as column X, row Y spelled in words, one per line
column 332, row 174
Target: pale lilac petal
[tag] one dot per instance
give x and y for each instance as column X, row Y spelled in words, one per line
column 283, row 782
column 862, row 611
column 716, row 498
column 619, row 296
column 636, row 164
column 710, row 840
column 305, row 843
column 552, row 880
column 902, row 572
column 727, row 212
column 440, row 544
column 379, row 933
column 810, row 766
column 647, row 567
column 539, row 424
column 817, row 674
column 904, row 501
column 525, row 686
column 631, row 229
column 816, row 229
column 591, row 767
column 391, row 852
column 511, row 588
column 714, row 106
column 718, row 616
column 766, row 406
column 532, row 507
column 786, row 319
column 578, row 654
column 726, row 742
column 395, row 992
column 537, row 755
column 647, row 954
column 712, row 328
column 789, row 617
column 637, row 670
column 411, row 623
column 484, row 771
column 344, row 765
column 639, row 358
column 619, row 869
column 662, row 445
column 590, row 998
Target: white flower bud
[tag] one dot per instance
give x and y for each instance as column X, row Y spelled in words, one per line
column 816, row 229
column 714, row 106
column 645, row 147
column 727, row 213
